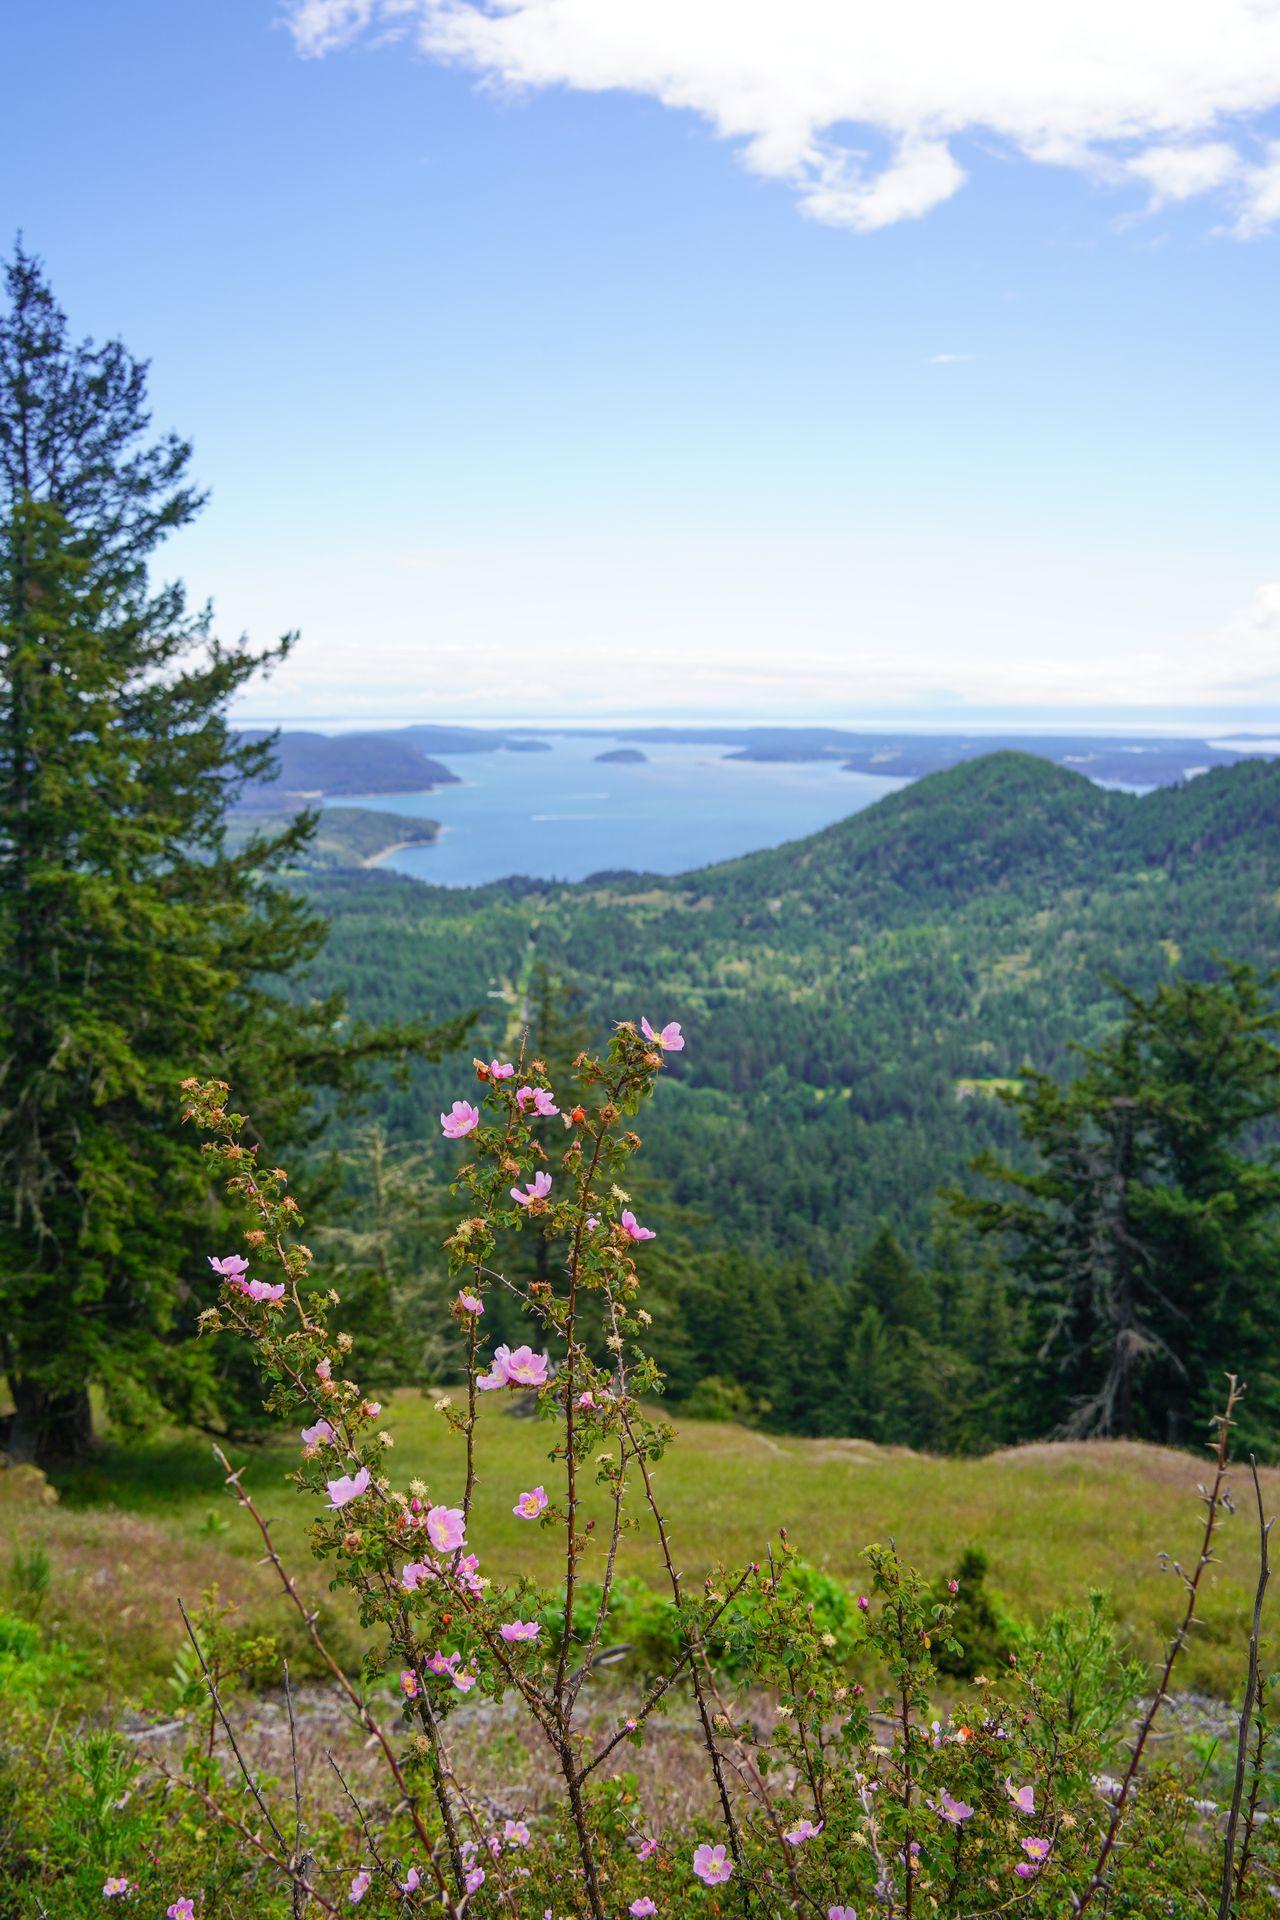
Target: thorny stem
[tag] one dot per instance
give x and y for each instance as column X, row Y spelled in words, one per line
column 1230, row 1891
column 1192, row 1581
column 293, row 1873
column 366, row 1719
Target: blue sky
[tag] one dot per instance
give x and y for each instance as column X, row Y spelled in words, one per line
column 526, row 394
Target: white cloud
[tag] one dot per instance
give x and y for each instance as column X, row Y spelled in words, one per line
column 948, row 359
column 1156, row 91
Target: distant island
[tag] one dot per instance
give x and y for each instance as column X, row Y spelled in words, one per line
column 623, row 757
column 312, row 766
column 526, row 746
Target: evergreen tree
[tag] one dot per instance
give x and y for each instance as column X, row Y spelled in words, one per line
column 1147, row 1238
column 135, row 949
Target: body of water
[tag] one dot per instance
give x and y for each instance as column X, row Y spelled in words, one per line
column 561, row 814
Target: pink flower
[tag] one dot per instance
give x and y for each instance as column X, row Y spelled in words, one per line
column 633, row 1227
column 954, row 1810
column 864, row 1605
column 586, row 1400
column 842, row 1913
column 711, row 1865
column 347, row 1487
column 411, row 1882
column 538, row 1189
column 233, row 1267
column 523, row 1368
column 116, row 1886
column 519, row 1629
column 670, row 1039
column 593, row 1221
column 642, row 1907
column 413, row 1575
column 953, row 1586
column 359, row 1886
column 446, row 1665
column 500, row 1070
column 1023, row 1798
column 318, row 1436
column 543, row 1103
column 531, row 1504
column 646, row 1849
column 802, row 1831
column 446, row 1528
column 409, row 1683
column 474, row 1879
column 1036, row 1849
column 324, row 1369
column 1025, row 1870
column 470, row 1304
column 515, row 1833
column 259, row 1290
column 466, row 1572
column 461, row 1119
column 184, row 1909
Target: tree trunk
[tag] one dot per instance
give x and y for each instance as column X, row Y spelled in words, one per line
column 48, row 1428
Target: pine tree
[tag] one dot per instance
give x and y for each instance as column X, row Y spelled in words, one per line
column 1146, row 1241
column 135, row 949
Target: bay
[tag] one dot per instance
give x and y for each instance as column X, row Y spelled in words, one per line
column 562, row 814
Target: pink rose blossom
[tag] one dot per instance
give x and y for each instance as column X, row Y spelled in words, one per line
column 586, row 1400
column 538, row 1189
column 670, row 1038
column 802, row 1831
column 184, row 1909
column 633, row 1227
column 411, row 1882
column 470, row 1303
column 711, row 1865
column 320, row 1435
column 515, row 1833
column 954, row 1810
column 409, row 1683
column 842, row 1913
column 324, row 1369
column 347, row 1487
column 1023, row 1798
column 116, row 1887
column 446, row 1528
column 543, row 1103
column 461, row 1119
column 519, row 1630
column 593, row 1221
column 446, row 1665
column 259, row 1290
column 474, row 1879
column 467, row 1574
column 359, row 1886
column 1036, row 1848
column 642, row 1908
column 523, row 1368
column 413, row 1575
column 531, row 1504
column 233, row 1267
column 500, row 1070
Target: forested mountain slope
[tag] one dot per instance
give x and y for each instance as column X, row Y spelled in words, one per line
column 849, row 999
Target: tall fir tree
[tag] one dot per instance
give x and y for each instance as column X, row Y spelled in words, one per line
column 135, row 949
column 1146, row 1239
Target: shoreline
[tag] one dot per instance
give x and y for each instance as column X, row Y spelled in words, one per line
column 397, row 846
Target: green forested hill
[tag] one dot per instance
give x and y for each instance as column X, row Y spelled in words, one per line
column 852, row 1001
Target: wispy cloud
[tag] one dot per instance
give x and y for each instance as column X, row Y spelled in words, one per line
column 948, row 359
column 1166, row 97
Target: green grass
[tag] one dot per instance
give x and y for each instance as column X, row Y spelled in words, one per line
column 1054, row 1520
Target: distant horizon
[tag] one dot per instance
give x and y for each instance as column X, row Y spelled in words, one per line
column 1159, row 722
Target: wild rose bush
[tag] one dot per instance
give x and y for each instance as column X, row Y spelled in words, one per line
column 842, row 1803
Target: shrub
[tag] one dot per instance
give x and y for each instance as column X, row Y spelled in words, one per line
column 825, row 1794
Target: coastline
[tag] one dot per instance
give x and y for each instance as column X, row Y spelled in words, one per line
column 397, row 846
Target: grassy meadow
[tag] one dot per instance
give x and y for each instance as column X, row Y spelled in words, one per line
column 148, row 1523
